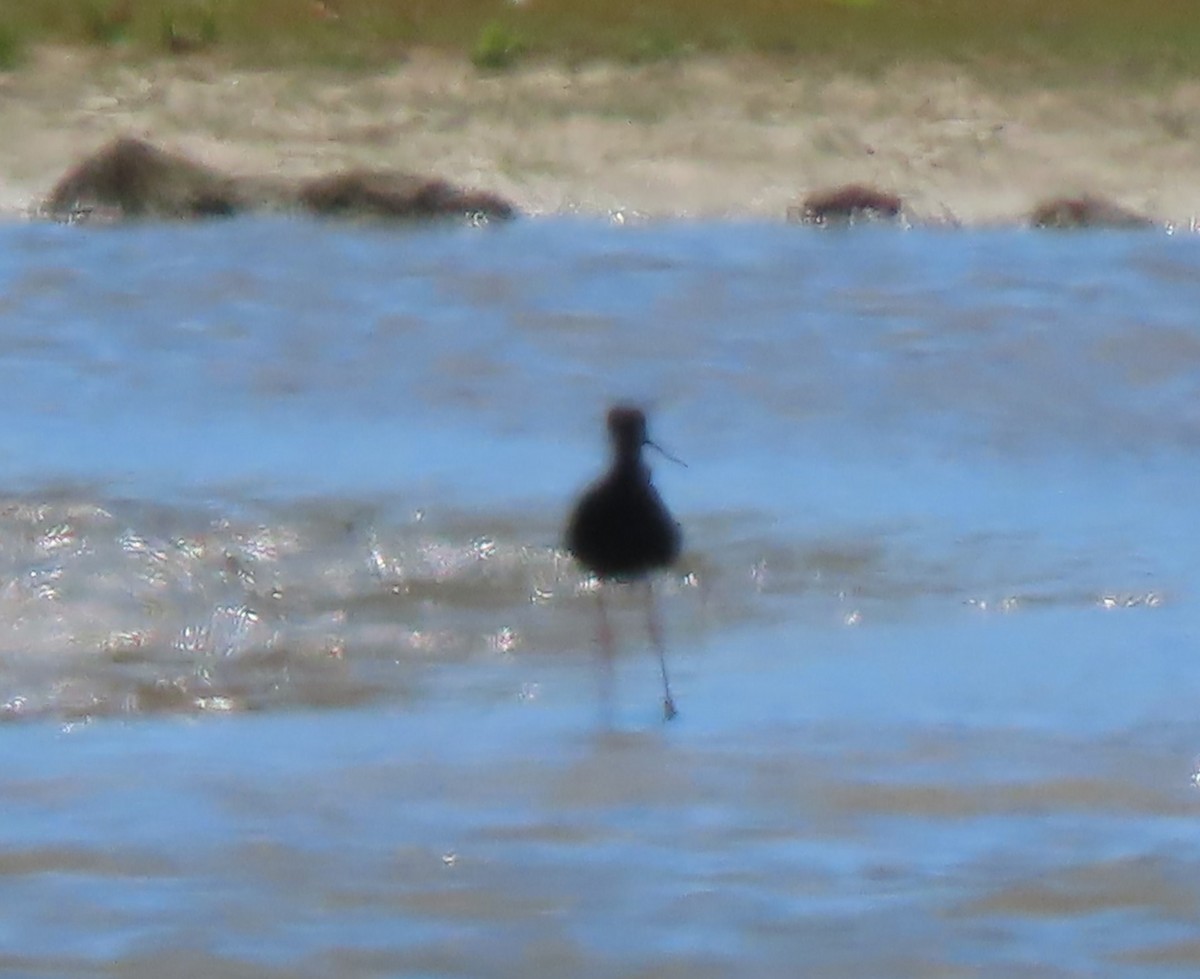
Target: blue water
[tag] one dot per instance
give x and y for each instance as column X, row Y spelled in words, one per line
column 298, row 681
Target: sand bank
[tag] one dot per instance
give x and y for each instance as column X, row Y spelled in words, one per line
column 731, row 137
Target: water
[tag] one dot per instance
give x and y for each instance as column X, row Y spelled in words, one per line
column 297, row 682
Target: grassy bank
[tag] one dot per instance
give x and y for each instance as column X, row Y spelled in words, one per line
column 1149, row 40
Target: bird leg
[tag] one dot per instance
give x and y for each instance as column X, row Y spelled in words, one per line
column 604, row 637
column 656, row 638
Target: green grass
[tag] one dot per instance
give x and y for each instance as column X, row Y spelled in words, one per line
column 186, row 30
column 12, row 47
column 105, row 22
column 1148, row 39
column 497, row 47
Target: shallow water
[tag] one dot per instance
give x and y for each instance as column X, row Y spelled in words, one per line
column 297, row 681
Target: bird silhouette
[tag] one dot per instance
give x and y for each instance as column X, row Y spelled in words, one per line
column 621, row 530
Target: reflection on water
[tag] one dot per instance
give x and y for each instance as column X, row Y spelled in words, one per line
column 298, row 680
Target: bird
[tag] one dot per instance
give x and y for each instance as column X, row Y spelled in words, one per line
column 620, row 529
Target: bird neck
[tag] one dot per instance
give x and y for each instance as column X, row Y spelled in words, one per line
column 628, row 462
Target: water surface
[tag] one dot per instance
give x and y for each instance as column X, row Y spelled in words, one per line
column 298, row 681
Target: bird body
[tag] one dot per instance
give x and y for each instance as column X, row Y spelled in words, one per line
column 621, row 528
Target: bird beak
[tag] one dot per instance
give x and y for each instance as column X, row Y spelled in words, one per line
column 664, row 453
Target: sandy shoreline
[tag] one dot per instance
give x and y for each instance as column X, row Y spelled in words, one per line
column 731, row 138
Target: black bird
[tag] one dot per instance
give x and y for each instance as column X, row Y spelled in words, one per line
column 621, row 530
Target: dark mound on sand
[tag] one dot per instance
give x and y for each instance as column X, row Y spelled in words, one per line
column 847, row 204
column 381, row 193
column 129, row 178
column 1085, row 211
